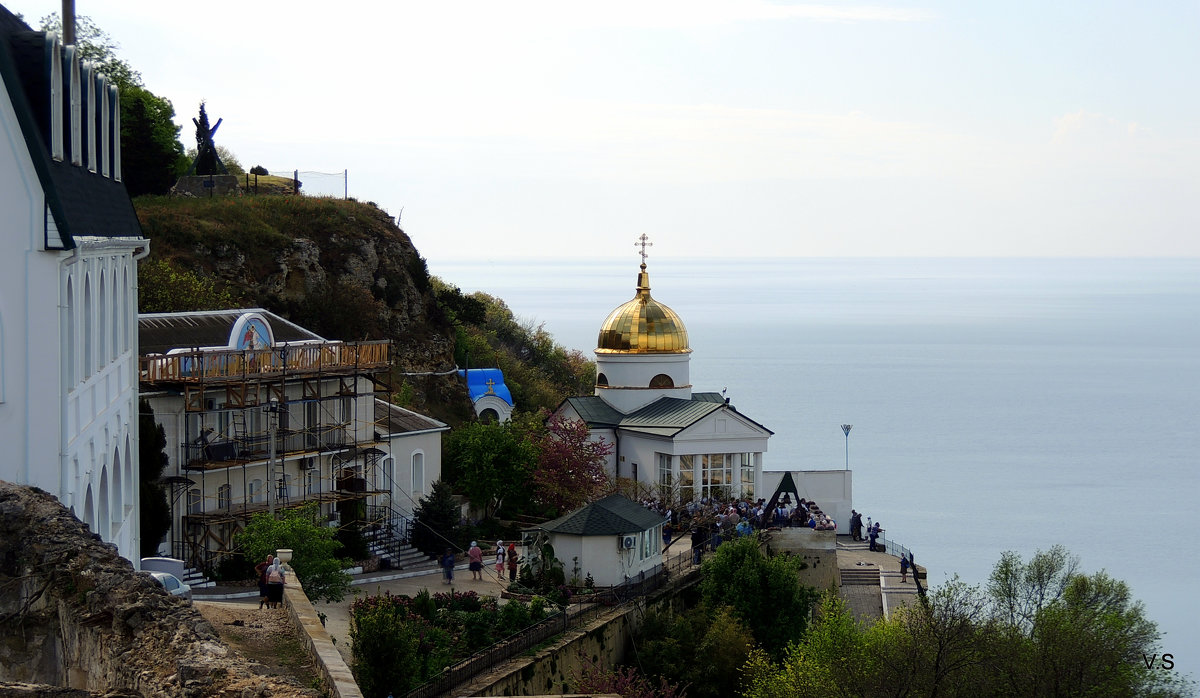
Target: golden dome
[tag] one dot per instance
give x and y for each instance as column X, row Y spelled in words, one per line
column 642, row 326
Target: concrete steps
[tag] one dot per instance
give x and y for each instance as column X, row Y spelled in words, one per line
column 860, row 576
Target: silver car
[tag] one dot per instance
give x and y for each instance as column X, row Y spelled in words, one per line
column 173, row 584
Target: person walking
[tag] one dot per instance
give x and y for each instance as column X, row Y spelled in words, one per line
column 512, row 562
column 261, row 570
column 275, row 582
column 475, row 561
column 501, row 555
column 448, row 567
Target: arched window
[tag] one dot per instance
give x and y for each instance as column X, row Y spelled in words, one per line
column 601, row 380
column 194, row 501
column 102, row 357
column 72, row 353
column 662, row 380
column 489, row 416
column 418, row 473
column 224, row 494
column 89, row 357
column 256, row 493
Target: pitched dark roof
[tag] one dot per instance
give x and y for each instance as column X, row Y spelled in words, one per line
column 397, row 420
column 666, row 416
column 82, row 202
column 594, row 411
column 158, row 333
column 616, row 514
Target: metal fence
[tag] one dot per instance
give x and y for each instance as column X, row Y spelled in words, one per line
column 581, row 613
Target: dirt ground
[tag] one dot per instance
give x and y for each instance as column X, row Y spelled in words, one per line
column 264, row 636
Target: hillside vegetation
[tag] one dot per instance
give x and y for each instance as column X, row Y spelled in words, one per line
column 345, row 270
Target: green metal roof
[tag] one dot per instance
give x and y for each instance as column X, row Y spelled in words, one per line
column 616, row 514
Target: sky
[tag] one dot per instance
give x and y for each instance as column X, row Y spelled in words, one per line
column 739, row 128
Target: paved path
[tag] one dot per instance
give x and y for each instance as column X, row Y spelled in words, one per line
column 873, row 602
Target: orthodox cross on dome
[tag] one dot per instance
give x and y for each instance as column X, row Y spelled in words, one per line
column 491, row 384
column 643, row 242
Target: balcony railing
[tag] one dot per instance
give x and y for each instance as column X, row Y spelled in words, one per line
column 321, row 438
column 225, row 365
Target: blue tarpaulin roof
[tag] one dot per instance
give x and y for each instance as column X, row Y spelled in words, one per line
column 478, row 383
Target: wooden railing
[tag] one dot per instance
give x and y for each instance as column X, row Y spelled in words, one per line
column 216, row 365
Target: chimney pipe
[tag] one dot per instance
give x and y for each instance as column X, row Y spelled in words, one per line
column 68, row 21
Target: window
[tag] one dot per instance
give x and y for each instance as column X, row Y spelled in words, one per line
column 194, row 501
column 662, row 380
column 256, row 491
column 223, row 497
column 602, row 380
column 687, row 473
column 747, row 468
column 664, row 471
column 716, row 475
column 418, row 473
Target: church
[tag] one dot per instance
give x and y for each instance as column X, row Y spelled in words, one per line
column 676, row 444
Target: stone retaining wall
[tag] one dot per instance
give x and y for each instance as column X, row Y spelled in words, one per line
column 339, row 680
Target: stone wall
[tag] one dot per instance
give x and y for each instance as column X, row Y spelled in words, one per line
column 603, row 641
column 195, row 185
column 75, row 615
column 818, row 549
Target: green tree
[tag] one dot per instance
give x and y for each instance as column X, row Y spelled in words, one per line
column 153, row 509
column 1041, row 629
column 164, row 287
column 314, row 549
column 668, row 647
column 436, row 520
column 491, row 462
column 152, row 157
column 764, row 591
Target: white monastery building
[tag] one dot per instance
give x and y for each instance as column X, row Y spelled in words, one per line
column 261, row 415
column 69, row 245
column 670, row 440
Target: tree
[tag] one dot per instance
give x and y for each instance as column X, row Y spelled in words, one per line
column 164, row 287
column 1041, row 629
column 153, row 509
column 764, row 591
column 151, row 155
column 491, row 462
column 314, row 549
column 436, row 520
column 570, row 469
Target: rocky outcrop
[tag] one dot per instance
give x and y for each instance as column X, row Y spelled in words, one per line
column 75, row 615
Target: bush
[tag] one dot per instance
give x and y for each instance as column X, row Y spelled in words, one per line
column 259, row 170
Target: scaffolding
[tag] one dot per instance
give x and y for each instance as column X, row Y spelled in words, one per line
column 273, row 429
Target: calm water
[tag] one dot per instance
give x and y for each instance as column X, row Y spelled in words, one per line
column 997, row 404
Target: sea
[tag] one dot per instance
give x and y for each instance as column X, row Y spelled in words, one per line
column 996, row 404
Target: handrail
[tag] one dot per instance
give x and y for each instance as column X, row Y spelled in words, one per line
column 232, row 364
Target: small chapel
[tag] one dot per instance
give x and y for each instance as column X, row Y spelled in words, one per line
column 677, row 444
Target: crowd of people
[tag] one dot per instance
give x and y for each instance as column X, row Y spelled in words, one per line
column 711, row 520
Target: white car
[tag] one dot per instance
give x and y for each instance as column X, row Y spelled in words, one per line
column 173, row 584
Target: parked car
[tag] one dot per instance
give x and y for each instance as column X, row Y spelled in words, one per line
column 173, row 584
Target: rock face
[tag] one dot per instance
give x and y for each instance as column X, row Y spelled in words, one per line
column 75, row 615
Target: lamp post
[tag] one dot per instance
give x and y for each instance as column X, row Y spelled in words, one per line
column 846, row 430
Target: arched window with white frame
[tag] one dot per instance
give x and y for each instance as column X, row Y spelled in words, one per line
column 418, row 474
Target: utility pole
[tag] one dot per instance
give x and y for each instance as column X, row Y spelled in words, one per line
column 846, row 430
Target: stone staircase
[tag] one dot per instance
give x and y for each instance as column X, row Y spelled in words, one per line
column 404, row 557
column 196, row 579
column 860, row 576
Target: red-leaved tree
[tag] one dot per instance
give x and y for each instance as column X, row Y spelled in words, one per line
column 570, row 470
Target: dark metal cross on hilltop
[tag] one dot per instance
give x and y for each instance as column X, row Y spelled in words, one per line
column 643, row 242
